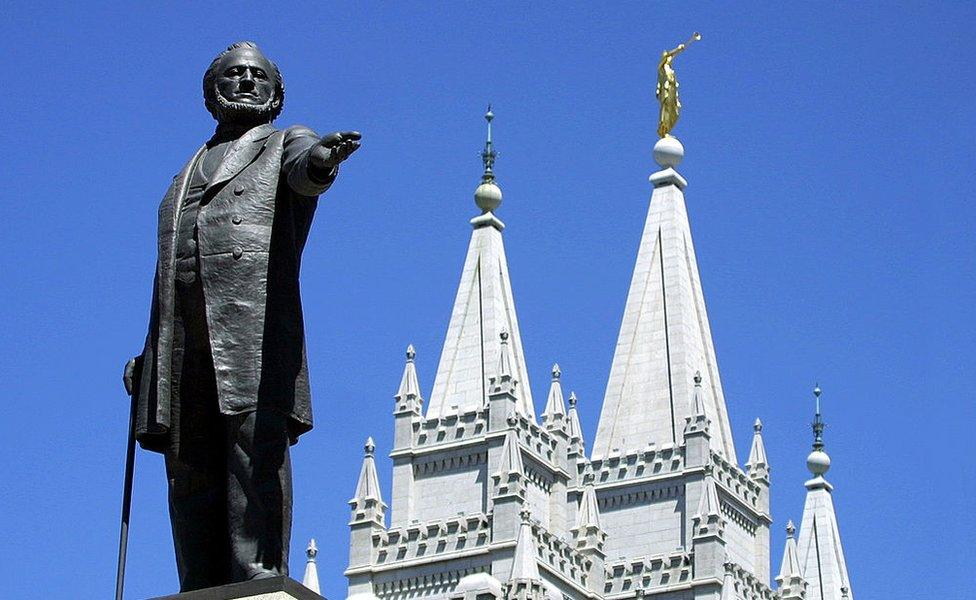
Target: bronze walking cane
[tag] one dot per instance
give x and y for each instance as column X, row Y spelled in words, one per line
column 131, row 375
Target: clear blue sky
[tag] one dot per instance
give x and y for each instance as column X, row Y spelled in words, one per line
column 830, row 156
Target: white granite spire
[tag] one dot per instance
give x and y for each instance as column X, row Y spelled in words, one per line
column 589, row 508
column 819, row 548
column 790, row 578
column 524, row 565
column 483, row 308
column 758, row 464
column 555, row 411
column 708, row 504
column 409, row 386
column 575, row 430
column 665, row 334
column 311, row 578
column 511, row 454
column 367, row 504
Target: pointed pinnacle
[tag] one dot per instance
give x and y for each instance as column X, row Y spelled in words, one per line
column 790, row 528
column 411, row 353
column 572, row 400
column 311, row 550
column 369, row 447
column 556, row 373
column 757, row 426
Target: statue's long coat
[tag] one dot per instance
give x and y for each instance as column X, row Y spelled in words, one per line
column 252, row 224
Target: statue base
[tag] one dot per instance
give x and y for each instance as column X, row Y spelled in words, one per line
column 275, row 588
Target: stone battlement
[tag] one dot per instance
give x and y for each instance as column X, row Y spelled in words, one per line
column 648, row 572
column 443, row 536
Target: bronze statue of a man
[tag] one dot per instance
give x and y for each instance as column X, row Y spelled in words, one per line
column 221, row 386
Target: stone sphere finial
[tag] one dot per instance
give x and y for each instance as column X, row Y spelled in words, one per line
column 556, row 372
column 369, row 447
column 668, row 152
column 757, row 426
column 572, row 400
column 411, row 353
column 488, row 196
column 818, row 463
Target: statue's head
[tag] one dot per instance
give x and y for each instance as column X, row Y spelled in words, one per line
column 242, row 86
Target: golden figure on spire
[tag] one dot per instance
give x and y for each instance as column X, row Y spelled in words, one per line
column 667, row 88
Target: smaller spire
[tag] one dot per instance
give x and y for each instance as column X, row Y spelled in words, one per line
column 790, row 566
column 728, row 581
column 709, row 505
column 555, row 410
column 708, row 519
column 758, row 464
column 311, row 578
column 368, row 502
column 511, row 454
column 589, row 508
column 504, row 381
column 409, row 389
column 524, row 565
column 790, row 578
column 697, row 422
column 576, row 441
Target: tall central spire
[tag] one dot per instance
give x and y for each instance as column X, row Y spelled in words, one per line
column 484, row 308
column 665, row 337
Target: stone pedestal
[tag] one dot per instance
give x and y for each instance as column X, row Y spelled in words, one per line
column 277, row 588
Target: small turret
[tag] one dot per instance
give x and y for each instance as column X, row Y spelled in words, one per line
column 577, row 445
column 525, row 583
column 311, row 578
column 408, row 395
column 409, row 406
column 758, row 465
column 368, row 510
column 589, row 535
column 502, row 387
column 554, row 416
column 697, row 431
column 708, row 533
column 790, row 579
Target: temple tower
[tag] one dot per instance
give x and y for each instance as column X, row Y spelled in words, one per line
column 489, row 503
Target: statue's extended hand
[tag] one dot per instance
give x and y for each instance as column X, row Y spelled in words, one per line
column 128, row 375
column 335, row 148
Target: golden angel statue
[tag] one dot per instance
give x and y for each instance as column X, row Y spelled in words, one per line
column 667, row 88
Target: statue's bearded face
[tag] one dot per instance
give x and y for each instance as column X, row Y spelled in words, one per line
column 245, row 88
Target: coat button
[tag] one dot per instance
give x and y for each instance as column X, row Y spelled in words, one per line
column 236, row 219
column 238, row 189
column 238, row 252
